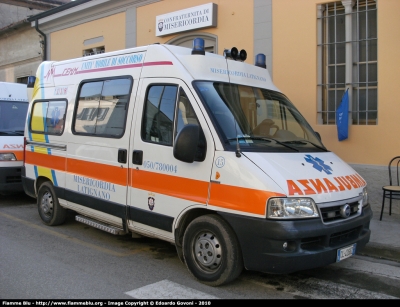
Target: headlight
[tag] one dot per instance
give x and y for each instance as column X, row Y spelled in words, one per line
column 365, row 197
column 291, row 208
column 7, row 157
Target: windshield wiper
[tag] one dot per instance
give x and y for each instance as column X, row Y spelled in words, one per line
column 248, row 137
column 283, row 144
column 305, row 142
column 266, row 139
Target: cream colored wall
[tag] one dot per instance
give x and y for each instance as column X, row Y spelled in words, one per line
column 294, row 60
column 234, row 23
column 295, row 73
column 68, row 43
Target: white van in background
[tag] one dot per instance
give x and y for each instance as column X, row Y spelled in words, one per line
column 13, row 109
column 199, row 149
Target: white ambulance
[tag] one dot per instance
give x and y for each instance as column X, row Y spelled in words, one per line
column 13, row 109
column 198, row 149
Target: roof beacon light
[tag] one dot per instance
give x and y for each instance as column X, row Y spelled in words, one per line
column 261, row 60
column 198, row 46
column 31, row 81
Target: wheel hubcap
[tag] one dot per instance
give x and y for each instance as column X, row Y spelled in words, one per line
column 208, row 251
column 47, row 204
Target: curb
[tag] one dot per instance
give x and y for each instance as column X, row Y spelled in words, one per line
column 381, row 251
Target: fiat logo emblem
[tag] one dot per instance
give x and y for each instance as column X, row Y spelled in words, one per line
column 345, row 211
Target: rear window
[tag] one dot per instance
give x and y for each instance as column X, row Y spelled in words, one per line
column 48, row 116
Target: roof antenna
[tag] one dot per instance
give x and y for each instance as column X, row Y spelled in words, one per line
column 237, row 152
column 235, row 52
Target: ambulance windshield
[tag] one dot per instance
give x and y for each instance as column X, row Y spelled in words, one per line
column 257, row 119
column 12, row 117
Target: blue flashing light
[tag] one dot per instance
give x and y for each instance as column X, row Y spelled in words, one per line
column 198, row 46
column 31, row 81
column 261, row 60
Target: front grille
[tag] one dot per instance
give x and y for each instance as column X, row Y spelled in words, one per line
column 13, row 179
column 344, row 236
column 330, row 240
column 332, row 214
column 312, row 243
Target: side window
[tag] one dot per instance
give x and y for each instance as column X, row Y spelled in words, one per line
column 165, row 110
column 102, row 107
column 48, row 117
column 158, row 117
column 185, row 112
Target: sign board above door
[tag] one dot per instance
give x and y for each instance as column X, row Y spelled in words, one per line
column 197, row 17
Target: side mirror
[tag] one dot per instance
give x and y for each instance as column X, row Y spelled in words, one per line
column 186, row 142
column 318, row 135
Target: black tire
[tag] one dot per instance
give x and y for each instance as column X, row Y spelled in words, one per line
column 50, row 211
column 211, row 251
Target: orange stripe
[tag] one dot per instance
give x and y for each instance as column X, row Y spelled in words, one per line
column 184, row 188
column 104, row 172
column 94, row 170
column 19, row 154
column 49, row 161
column 224, row 196
column 240, row 199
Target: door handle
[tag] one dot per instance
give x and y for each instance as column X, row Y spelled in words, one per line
column 122, row 154
column 137, row 157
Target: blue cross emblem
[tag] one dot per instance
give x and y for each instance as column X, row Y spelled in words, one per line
column 318, row 164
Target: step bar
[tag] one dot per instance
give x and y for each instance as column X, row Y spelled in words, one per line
column 107, row 228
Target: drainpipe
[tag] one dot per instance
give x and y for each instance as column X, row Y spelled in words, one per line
column 44, row 40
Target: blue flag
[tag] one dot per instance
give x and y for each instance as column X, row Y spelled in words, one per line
column 342, row 117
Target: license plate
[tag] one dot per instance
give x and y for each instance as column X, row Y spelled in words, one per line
column 346, row 252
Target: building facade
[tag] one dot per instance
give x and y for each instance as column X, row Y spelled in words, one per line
column 21, row 50
column 315, row 49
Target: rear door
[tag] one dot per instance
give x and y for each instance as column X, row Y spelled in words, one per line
column 161, row 186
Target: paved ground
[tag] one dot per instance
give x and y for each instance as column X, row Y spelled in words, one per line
column 385, row 234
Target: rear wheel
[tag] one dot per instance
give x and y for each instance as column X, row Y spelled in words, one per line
column 50, row 211
column 211, row 251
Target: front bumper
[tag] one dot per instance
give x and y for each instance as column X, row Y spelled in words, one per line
column 10, row 180
column 310, row 243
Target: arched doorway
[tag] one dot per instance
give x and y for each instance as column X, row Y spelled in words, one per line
column 210, row 41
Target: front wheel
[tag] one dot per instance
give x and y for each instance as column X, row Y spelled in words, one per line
column 50, row 211
column 211, row 251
